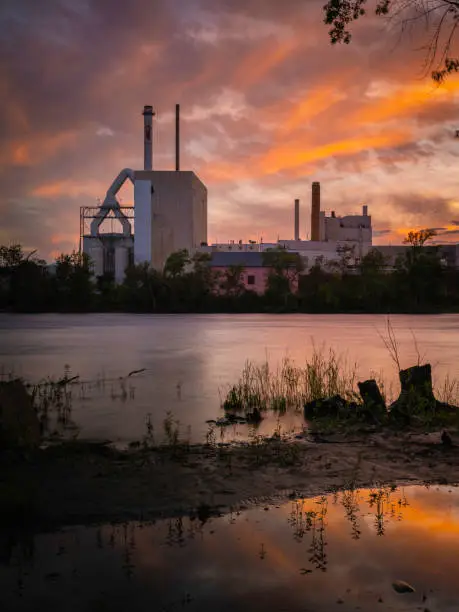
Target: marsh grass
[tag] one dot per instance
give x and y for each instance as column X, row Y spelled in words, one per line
column 54, row 398
column 52, row 401
column 325, row 374
column 447, row 390
column 289, row 386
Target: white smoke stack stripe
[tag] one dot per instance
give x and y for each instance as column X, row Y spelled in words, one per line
column 148, row 114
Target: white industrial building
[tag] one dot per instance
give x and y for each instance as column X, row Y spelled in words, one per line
column 170, row 213
column 330, row 234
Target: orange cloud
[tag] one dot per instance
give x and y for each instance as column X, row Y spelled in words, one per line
column 285, row 157
column 404, row 101
column 69, row 188
column 312, row 105
column 313, row 102
column 304, row 156
column 60, row 238
column 264, row 58
column 36, row 148
column 21, row 155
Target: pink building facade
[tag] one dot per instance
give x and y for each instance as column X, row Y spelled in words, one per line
column 254, row 279
column 254, row 274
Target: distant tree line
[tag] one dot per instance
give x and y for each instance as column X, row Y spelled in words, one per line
column 419, row 282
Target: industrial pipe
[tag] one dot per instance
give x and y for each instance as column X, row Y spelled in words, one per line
column 297, row 219
column 110, row 198
column 111, row 203
column 315, row 212
column 177, row 137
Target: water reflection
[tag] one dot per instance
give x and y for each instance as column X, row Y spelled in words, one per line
column 189, row 358
column 57, row 401
column 341, row 551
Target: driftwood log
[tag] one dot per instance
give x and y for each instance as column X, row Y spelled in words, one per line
column 326, row 407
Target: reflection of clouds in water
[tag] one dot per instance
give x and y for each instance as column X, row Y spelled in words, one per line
column 220, row 566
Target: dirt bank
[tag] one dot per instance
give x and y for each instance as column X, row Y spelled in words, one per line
column 85, row 483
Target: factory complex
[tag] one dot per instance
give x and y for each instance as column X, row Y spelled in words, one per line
column 170, row 214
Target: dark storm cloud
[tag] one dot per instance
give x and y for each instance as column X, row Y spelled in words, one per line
column 59, row 53
column 429, row 207
column 405, row 152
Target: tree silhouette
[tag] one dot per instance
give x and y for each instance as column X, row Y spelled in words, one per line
column 440, row 18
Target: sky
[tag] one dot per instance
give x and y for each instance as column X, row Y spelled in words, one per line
column 268, row 106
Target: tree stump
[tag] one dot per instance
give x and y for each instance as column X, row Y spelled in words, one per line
column 374, row 405
column 416, row 396
column 370, row 393
column 418, row 379
column 19, row 425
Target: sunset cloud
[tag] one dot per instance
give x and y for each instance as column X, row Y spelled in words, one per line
column 268, row 106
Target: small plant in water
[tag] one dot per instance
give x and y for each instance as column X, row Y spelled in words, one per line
column 171, row 429
column 211, row 436
column 149, row 438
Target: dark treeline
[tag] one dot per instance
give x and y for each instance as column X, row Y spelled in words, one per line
column 418, row 282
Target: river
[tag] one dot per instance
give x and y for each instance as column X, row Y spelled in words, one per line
column 190, row 360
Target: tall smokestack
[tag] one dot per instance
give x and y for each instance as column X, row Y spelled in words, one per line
column 297, row 219
column 315, row 212
column 177, row 137
column 148, row 115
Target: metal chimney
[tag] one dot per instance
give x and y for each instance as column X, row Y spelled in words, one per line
column 177, row 137
column 315, row 212
column 297, row 219
column 148, row 115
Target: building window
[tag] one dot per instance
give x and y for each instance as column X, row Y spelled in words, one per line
column 251, row 279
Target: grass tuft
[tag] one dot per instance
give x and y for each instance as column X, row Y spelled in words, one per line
column 289, row 386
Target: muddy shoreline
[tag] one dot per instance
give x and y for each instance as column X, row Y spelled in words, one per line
column 86, row 483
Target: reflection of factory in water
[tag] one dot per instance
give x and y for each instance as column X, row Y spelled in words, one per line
column 170, row 213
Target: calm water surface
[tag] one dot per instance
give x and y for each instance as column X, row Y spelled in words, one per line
column 191, row 359
column 339, row 552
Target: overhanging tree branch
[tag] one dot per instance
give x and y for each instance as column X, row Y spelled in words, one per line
column 441, row 19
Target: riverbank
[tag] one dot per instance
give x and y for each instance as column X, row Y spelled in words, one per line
column 84, row 483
